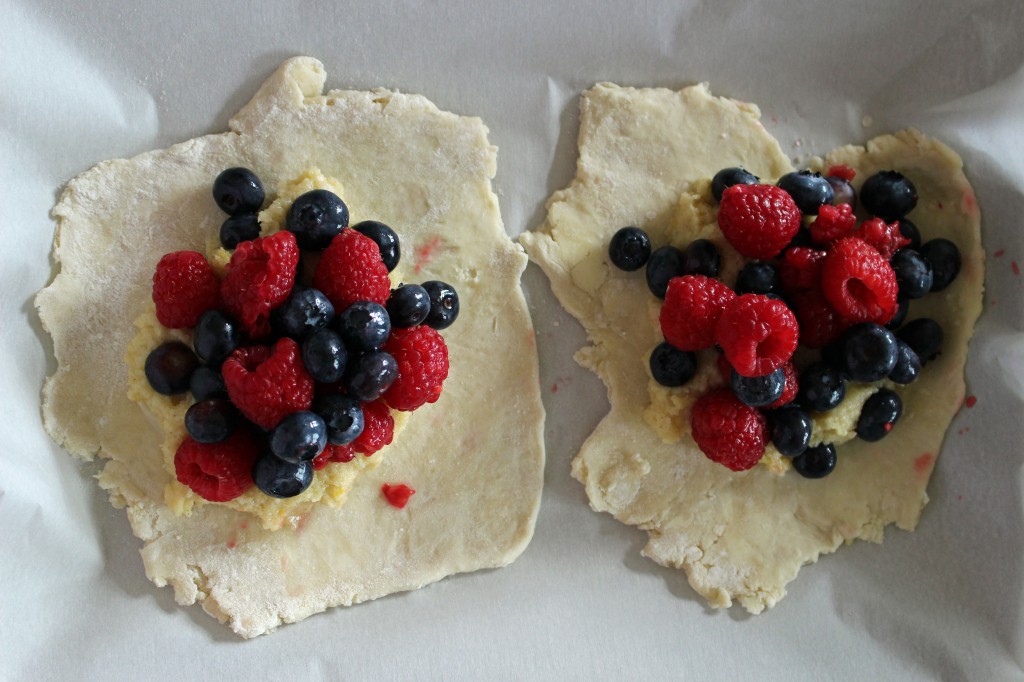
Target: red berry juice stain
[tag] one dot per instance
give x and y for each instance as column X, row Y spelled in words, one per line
column 999, row 254
column 554, row 387
column 939, row 204
column 969, row 202
column 425, row 253
column 397, row 495
column 923, row 463
column 232, row 544
column 1015, row 267
column 970, row 401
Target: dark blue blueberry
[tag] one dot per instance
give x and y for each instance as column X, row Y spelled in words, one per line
column 278, row 478
column 444, row 304
column 822, row 387
column 215, row 337
column 888, row 195
column 299, row 437
column 902, row 308
column 909, row 230
column 791, row 430
column 880, row 412
column 370, row 375
column 211, row 421
column 237, row 191
column 924, row 336
column 239, row 228
column 727, row 177
column 629, row 249
column 363, row 326
column 869, row 352
column 701, row 258
column 408, row 306
column 305, row 311
column 758, row 277
column 945, row 260
column 343, row 416
column 316, row 218
column 325, row 356
column 809, row 190
column 843, row 191
column 169, row 367
column 832, row 355
column 386, row 240
column 672, row 367
column 913, row 273
column 207, row 383
column 908, row 365
column 816, row 462
column 758, row 391
column 665, row 263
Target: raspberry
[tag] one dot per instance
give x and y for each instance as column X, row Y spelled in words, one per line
column 268, row 384
column 379, row 430
column 820, row 323
column 757, row 334
column 397, row 495
column 758, row 220
column 351, row 270
column 422, row 358
column 217, row 472
column 693, row 304
column 258, row 278
column 859, row 282
column 791, row 389
column 885, row 237
column 184, row 287
column 727, row 431
column 841, row 171
column 333, row 453
column 832, row 223
column 801, row 269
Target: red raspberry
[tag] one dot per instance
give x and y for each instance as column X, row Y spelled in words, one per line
column 693, row 304
column 397, row 495
column 885, row 237
column 859, row 282
column 832, row 223
column 259, row 277
column 379, row 430
column 351, row 270
column 801, row 269
column 841, row 171
column 184, row 287
column 758, row 220
column 791, row 388
column 422, row 358
column 757, row 334
column 727, row 431
column 267, row 384
column 820, row 323
column 217, row 472
column 333, row 453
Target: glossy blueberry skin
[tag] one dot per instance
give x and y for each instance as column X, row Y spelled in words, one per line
column 237, row 191
column 370, row 375
column 727, row 177
column 888, row 195
column 672, row 367
column 913, row 273
column 364, row 326
column 239, row 228
column 299, row 437
column 305, row 311
column 758, row 391
column 809, row 190
column 791, row 430
column 869, row 352
column 909, row 230
column 325, row 356
column 169, row 367
column 629, row 248
column 758, row 277
column 902, row 308
column 386, row 240
column 843, row 192
column 343, row 416
column 281, row 479
column 211, row 421
column 907, row 366
column 444, row 304
column 701, row 258
column 822, row 387
column 924, row 336
column 215, row 337
column 816, row 462
column 880, row 412
column 944, row 257
column 664, row 264
column 207, row 383
column 408, row 306
column 315, row 218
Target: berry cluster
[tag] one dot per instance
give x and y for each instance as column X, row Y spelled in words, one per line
column 817, row 278
column 290, row 375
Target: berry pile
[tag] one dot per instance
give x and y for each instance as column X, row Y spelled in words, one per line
column 816, row 278
column 287, row 375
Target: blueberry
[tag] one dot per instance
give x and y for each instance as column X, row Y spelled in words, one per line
column 215, row 337
column 343, row 416
column 672, row 367
column 207, row 383
column 902, row 308
column 888, row 195
column 822, row 387
column 843, row 191
column 211, row 421
column 791, row 430
column 909, row 230
column 878, row 415
column 629, row 248
column 809, row 190
column 325, row 356
column 924, row 336
column 169, row 367
column 701, row 258
column 385, row 238
column 908, row 365
column 758, row 277
column 727, row 177
column 665, row 263
column 237, row 191
column 278, row 478
column 363, row 326
column 316, row 218
column 758, row 391
column 299, row 437
column 816, row 462
column 370, row 375
column 913, row 273
column 306, row 310
column 444, row 304
column 869, row 352
column 944, row 257
column 239, row 228
column 408, row 306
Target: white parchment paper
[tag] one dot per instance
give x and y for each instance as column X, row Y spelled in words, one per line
column 85, row 81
